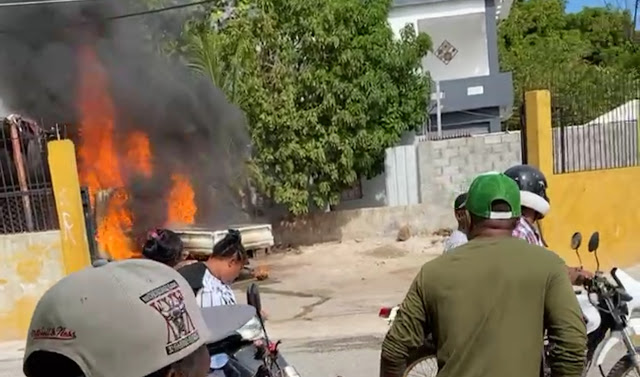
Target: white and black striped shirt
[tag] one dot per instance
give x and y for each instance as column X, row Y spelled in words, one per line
column 214, row 292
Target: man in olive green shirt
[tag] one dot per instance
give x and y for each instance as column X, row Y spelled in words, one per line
column 487, row 305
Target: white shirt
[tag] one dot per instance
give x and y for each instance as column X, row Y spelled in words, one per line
column 214, row 292
column 456, row 239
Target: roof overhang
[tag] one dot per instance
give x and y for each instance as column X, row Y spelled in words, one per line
column 502, row 6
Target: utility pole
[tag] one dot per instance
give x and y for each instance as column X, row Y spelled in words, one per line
column 438, row 110
column 635, row 18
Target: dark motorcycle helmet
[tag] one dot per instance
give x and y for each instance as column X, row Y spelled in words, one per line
column 533, row 187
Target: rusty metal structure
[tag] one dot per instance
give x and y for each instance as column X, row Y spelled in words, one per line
column 26, row 195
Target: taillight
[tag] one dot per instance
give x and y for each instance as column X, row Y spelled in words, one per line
column 384, row 312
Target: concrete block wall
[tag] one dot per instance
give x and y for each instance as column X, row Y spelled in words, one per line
column 447, row 167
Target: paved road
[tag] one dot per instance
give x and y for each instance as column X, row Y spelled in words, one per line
column 346, row 357
column 11, row 359
column 324, row 313
column 358, row 358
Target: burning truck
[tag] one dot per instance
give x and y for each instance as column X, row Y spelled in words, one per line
column 110, row 161
column 157, row 145
column 113, row 237
column 107, row 164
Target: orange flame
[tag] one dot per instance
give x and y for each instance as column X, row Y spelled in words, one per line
column 139, row 153
column 111, row 232
column 100, row 167
column 182, row 208
column 261, row 272
column 98, row 158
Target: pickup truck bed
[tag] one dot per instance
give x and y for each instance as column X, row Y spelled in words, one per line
column 199, row 242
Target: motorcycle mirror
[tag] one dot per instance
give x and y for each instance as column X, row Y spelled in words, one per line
column 576, row 241
column 594, row 242
column 253, row 297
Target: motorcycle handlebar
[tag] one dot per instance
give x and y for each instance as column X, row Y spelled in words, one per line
column 611, row 296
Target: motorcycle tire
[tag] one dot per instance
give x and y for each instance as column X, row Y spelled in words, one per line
column 624, row 367
column 422, row 363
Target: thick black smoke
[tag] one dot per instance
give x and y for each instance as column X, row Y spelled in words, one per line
column 191, row 125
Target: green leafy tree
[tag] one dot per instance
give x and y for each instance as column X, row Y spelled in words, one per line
column 586, row 59
column 607, row 30
column 325, row 86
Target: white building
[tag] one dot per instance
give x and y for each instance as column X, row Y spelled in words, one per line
column 474, row 95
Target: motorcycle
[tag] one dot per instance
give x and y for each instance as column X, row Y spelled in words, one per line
column 246, row 351
column 606, row 309
column 615, row 302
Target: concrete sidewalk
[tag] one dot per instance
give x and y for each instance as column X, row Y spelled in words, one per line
column 11, row 358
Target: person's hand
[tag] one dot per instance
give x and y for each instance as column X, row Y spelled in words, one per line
column 579, row 276
column 585, row 275
column 264, row 315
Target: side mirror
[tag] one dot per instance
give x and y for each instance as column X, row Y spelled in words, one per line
column 576, row 241
column 253, row 297
column 594, row 242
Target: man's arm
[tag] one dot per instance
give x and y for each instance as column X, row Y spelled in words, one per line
column 407, row 332
column 564, row 324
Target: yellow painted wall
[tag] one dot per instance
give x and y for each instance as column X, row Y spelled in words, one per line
column 66, row 190
column 606, row 200
column 30, row 263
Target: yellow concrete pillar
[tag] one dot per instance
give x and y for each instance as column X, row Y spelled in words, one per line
column 66, row 190
column 538, row 130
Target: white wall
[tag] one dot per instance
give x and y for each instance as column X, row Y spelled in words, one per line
column 400, row 16
column 401, row 175
column 468, row 34
column 397, row 185
column 460, row 22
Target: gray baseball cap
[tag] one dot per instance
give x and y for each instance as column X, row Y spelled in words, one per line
column 127, row 319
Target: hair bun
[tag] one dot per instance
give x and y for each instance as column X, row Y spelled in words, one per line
column 234, row 235
column 231, row 239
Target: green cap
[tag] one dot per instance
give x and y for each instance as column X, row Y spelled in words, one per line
column 488, row 188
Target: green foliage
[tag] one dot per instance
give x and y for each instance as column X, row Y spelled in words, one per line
column 585, row 58
column 324, row 85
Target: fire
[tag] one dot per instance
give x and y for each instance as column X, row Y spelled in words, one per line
column 101, row 161
column 111, row 233
column 182, row 208
column 97, row 155
column 261, row 272
column 139, row 153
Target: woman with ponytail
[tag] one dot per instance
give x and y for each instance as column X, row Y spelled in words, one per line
column 211, row 279
column 164, row 246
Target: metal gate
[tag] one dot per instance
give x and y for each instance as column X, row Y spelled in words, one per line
column 523, row 130
column 26, row 194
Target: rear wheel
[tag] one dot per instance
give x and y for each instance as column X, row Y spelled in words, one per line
column 422, row 363
column 624, row 367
